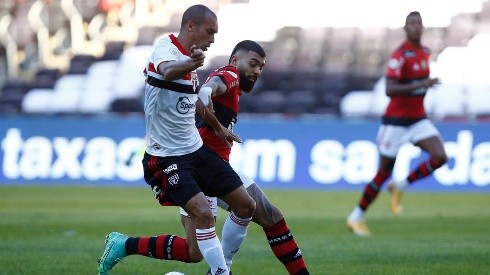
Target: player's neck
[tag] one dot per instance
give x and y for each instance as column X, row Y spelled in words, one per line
column 415, row 43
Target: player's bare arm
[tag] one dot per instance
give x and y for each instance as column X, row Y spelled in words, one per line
column 172, row 70
column 215, row 87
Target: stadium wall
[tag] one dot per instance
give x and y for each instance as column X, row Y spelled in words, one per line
column 292, row 153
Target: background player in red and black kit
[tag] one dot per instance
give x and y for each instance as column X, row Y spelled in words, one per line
column 226, row 84
column 407, row 81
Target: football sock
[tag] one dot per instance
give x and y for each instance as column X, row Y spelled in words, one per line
column 401, row 185
column 211, row 250
column 357, row 214
column 234, row 232
column 165, row 247
column 372, row 189
column 285, row 248
column 423, row 170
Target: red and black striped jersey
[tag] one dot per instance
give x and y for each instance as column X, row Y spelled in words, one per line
column 226, row 110
column 408, row 64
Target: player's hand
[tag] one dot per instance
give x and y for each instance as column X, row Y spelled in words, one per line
column 203, row 110
column 430, row 82
column 227, row 136
column 197, row 56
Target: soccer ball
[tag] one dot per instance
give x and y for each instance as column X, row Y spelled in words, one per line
column 175, row 273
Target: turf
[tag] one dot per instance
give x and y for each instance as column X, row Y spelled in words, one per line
column 60, row 230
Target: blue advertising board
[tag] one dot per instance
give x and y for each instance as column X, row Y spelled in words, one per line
column 279, row 152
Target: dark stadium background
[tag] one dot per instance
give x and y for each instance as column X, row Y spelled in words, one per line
column 83, row 60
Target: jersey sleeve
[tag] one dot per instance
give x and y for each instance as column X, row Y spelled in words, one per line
column 395, row 65
column 165, row 51
column 229, row 75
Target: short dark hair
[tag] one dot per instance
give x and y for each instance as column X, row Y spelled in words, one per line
column 248, row 45
column 196, row 13
column 413, row 13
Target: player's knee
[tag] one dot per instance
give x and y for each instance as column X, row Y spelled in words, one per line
column 439, row 160
column 267, row 217
column 195, row 255
column 246, row 209
column 204, row 218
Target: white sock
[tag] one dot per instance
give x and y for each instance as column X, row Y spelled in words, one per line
column 401, row 185
column 234, row 232
column 356, row 215
column 211, row 250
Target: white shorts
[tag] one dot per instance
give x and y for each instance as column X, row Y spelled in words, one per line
column 391, row 137
column 214, row 202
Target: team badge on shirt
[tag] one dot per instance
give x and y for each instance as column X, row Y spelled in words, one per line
column 174, row 52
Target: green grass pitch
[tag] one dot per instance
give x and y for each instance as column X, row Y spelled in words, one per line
column 61, row 230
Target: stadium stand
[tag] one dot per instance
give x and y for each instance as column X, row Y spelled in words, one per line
column 86, row 57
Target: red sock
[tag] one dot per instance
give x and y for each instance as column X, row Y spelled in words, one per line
column 423, row 170
column 372, row 189
column 285, row 248
column 164, row 247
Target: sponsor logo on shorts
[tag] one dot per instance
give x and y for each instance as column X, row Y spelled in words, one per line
column 170, row 168
column 173, row 180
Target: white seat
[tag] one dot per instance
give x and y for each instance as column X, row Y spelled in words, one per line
column 478, row 100
column 99, row 84
column 380, row 100
column 449, row 101
column 130, row 80
column 356, row 104
column 67, row 90
column 37, row 101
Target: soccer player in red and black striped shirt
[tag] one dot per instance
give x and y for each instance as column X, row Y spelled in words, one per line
column 404, row 121
column 227, row 84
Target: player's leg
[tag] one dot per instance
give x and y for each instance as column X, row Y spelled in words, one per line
column 184, row 192
column 390, row 138
column 276, row 230
column 272, row 221
column 220, row 180
column 356, row 221
column 236, row 224
column 163, row 247
column 424, row 135
column 190, row 231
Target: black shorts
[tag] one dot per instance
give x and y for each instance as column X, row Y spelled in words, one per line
column 176, row 179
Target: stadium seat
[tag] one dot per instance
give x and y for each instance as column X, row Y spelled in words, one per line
column 129, row 77
column 380, row 100
column 37, row 101
column 449, row 102
column 270, row 101
column 11, row 95
column 46, row 78
column 478, row 100
column 356, row 104
column 79, row 64
column 301, row 102
column 98, row 89
column 67, row 91
column 127, row 105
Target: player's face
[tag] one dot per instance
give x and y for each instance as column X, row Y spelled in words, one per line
column 203, row 34
column 250, row 65
column 414, row 28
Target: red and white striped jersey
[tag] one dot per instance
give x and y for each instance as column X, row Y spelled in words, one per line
column 170, row 106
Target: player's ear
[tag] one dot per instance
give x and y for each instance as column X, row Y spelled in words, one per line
column 190, row 25
column 233, row 60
